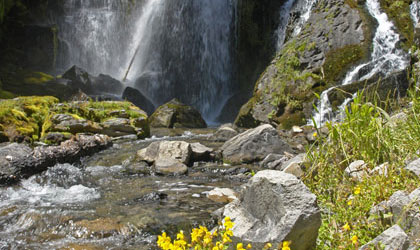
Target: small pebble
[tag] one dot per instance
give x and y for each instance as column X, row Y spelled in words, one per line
column 196, row 195
column 9, row 158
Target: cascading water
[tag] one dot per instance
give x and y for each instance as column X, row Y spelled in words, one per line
column 94, row 35
column 178, row 48
column 385, row 59
column 284, row 20
column 307, row 10
column 415, row 11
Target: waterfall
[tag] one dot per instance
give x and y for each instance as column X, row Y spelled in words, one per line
column 184, row 47
column 415, row 11
column 307, row 7
column 385, row 59
column 284, row 20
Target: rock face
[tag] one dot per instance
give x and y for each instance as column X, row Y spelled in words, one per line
column 332, row 41
column 254, row 145
column 394, row 238
column 175, row 114
column 275, row 207
column 19, row 161
column 137, row 98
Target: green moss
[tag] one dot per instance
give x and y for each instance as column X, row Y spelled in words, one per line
column 338, row 61
column 37, row 78
column 399, row 12
column 287, row 121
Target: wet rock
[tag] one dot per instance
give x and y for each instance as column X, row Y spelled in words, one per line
column 169, row 166
column 137, row 98
column 153, row 196
column 273, row 207
column 176, row 150
column 106, row 84
column 201, row 152
column 356, row 170
column 414, row 167
column 25, row 162
column 138, row 168
column 222, row 195
column 224, row 133
column 175, row 114
column 80, row 97
column 55, row 137
column 79, row 79
column 73, row 124
column 253, row 145
column 102, row 228
column 394, row 238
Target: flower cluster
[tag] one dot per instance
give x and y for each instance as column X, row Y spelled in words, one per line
column 203, row 239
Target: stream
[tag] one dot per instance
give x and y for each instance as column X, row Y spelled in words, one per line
column 101, row 204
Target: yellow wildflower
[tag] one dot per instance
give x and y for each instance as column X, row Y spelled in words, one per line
column 286, row 245
column 354, row 239
column 228, row 223
column 249, row 246
column 268, row 246
column 315, row 134
column 346, row 227
column 350, row 202
column 357, row 190
column 240, row 246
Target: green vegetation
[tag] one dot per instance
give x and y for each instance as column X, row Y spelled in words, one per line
column 29, row 118
column 338, row 61
column 399, row 12
column 367, row 133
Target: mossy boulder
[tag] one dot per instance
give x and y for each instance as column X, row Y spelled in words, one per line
column 35, row 117
column 335, row 38
column 175, row 114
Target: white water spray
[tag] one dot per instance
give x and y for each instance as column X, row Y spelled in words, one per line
column 386, row 58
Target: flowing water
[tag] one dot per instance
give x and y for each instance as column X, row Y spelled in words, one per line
column 177, row 48
column 386, row 58
column 415, row 11
column 99, row 204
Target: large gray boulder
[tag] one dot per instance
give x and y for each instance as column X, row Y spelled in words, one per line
column 224, row 133
column 73, row 124
column 137, row 98
column 176, row 150
column 254, row 145
column 275, row 206
column 118, row 127
column 394, row 238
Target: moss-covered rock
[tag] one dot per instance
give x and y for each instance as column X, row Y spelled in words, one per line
column 35, row 117
column 175, row 114
column 335, row 37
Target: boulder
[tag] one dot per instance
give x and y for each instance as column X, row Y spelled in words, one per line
column 394, row 238
column 176, row 150
column 20, row 161
column 254, row 145
column 356, row 170
column 201, row 152
column 170, row 166
column 274, row 207
column 414, row 167
column 138, row 168
column 222, row 195
column 175, row 114
column 294, row 166
column 224, row 133
column 55, row 137
column 137, row 98
column 79, row 79
column 106, row 84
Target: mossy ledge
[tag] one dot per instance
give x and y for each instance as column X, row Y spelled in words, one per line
column 29, row 118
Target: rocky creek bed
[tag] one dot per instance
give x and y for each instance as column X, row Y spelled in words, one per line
column 103, row 203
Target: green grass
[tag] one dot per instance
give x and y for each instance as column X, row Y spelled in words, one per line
column 365, row 134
